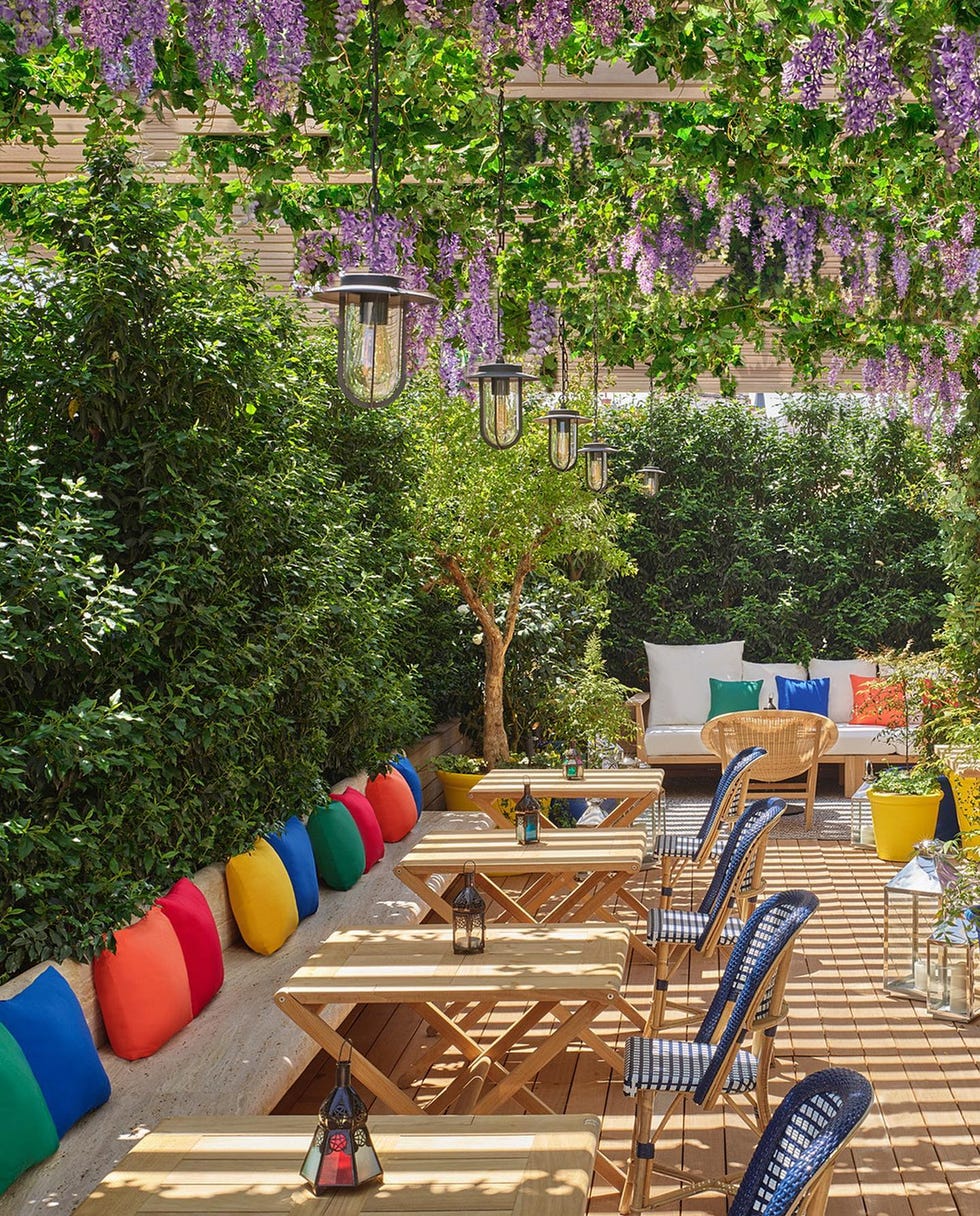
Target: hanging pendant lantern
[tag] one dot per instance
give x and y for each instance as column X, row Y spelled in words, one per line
column 501, row 393
column 596, row 456
column 371, row 363
column 562, row 422
column 650, row 480
column 341, row 1155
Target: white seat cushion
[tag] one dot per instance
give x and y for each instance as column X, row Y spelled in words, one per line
column 679, row 690
column 864, row 741
column 674, row 741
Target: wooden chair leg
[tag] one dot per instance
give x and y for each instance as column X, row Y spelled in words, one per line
column 637, row 1186
column 658, row 1009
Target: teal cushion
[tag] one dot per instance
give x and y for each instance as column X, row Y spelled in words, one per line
column 27, row 1131
column 732, row 696
column 337, row 845
column 812, row 696
column 50, row 1028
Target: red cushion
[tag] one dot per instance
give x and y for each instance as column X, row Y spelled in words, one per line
column 189, row 913
column 877, row 705
column 367, row 824
column 391, row 796
column 143, row 990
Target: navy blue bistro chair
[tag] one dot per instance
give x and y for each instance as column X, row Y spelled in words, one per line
column 675, row 851
column 791, row 1168
column 714, row 1065
column 673, row 933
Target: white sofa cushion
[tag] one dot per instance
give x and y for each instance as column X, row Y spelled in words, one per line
column 839, row 671
column 679, row 691
column 686, row 741
column 673, row 741
column 767, row 672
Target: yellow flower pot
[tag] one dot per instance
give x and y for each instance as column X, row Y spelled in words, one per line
column 901, row 821
column 966, row 792
column 456, row 790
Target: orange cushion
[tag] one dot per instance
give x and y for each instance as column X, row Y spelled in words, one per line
column 877, row 704
column 143, row 990
column 391, row 797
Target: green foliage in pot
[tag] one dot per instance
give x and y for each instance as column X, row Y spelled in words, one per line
column 921, row 779
column 589, row 708
column 455, row 762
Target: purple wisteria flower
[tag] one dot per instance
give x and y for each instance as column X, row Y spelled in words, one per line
column 479, row 328
column 485, row 23
column 954, row 81
column 123, row 33
column 869, row 86
column 580, row 136
column 901, row 267
column 449, row 251
column 835, row 368
column 543, row 328
column 284, row 25
column 217, row 31
column 806, row 69
column 639, row 13
column 606, row 18
column 34, row 23
column 799, row 238
column 345, row 18
column 548, row 25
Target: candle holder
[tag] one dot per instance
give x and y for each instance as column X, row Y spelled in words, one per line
column 469, row 915
column 911, row 904
column 341, row 1155
column 862, row 827
column 527, row 818
column 574, row 765
column 951, row 973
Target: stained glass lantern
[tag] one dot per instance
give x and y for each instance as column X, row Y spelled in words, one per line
column 527, row 818
column 574, row 765
column 650, row 480
column 911, row 904
column 341, row 1155
column 596, row 456
column 563, row 437
column 501, row 391
column 371, row 364
column 952, row 973
column 469, row 915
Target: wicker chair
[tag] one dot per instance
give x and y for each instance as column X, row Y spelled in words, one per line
column 794, row 742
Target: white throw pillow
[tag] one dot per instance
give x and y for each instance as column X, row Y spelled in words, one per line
column 679, row 691
column 767, row 672
column 841, row 694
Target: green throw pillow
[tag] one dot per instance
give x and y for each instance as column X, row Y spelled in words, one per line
column 337, row 845
column 27, row 1131
column 731, row 696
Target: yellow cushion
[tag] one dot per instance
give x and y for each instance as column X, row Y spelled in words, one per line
column 261, row 898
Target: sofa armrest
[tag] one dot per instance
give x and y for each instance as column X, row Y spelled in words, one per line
column 636, row 703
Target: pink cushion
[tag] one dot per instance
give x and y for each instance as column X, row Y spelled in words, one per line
column 143, row 988
column 188, row 911
column 367, row 824
column 390, row 795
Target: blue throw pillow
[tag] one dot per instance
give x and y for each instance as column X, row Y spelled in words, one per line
column 296, row 854
column 48, row 1024
column 813, row 696
column 407, row 770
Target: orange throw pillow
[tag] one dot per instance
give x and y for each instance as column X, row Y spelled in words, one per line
column 391, row 797
column 877, row 704
column 143, row 989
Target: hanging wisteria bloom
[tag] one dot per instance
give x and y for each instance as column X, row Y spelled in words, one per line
column 485, row 23
column 543, row 328
column 345, row 18
column 284, row 25
column 479, row 328
column 123, row 32
column 34, row 23
column 606, row 18
column 548, row 25
column 580, row 137
column 869, row 86
column 954, row 81
column 218, row 33
column 805, row 72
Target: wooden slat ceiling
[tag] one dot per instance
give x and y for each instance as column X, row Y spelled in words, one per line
column 274, row 252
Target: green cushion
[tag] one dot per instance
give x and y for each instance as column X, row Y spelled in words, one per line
column 27, row 1131
column 732, row 696
column 337, row 845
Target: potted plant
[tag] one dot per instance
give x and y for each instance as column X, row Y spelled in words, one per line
column 904, row 809
column 457, row 775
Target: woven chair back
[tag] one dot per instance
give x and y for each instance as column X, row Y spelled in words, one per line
column 793, row 740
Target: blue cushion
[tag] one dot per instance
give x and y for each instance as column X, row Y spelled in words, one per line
column 813, row 696
column 296, row 854
column 407, row 770
column 50, row 1028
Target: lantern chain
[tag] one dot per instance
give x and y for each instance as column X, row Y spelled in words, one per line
column 374, row 123
column 501, row 171
column 563, row 355
column 595, row 367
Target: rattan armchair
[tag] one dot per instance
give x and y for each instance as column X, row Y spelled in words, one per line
column 794, row 742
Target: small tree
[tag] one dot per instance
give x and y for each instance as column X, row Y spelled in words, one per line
column 487, row 519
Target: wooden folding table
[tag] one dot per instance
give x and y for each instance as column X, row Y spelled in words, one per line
column 574, row 876
column 636, row 789
column 493, row 1164
column 565, row 974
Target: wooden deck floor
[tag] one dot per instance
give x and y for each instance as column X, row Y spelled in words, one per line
column 916, row 1155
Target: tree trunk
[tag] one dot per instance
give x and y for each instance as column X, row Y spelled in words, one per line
column 496, row 749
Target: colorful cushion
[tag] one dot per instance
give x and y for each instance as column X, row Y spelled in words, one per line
column 27, row 1131
column 731, row 696
column 367, row 824
column 407, row 770
column 296, row 854
column 809, row 695
column 261, row 898
column 50, row 1028
column 337, row 845
column 190, row 914
column 839, row 672
column 679, row 679
column 143, row 990
column 392, row 800
column 877, row 704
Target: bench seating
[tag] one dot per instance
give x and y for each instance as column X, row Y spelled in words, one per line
column 240, row 1055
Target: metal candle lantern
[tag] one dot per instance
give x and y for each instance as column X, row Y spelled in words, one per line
column 469, row 915
column 911, row 903
column 862, row 827
column 574, row 765
column 562, row 422
column 501, row 391
column 952, row 975
column 341, row 1155
column 527, row 818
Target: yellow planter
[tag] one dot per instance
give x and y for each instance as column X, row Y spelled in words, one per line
column 966, row 792
column 901, row 821
column 456, row 790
